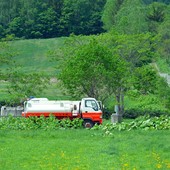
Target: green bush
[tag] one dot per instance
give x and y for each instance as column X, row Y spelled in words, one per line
column 20, row 123
column 142, row 122
column 141, row 105
column 135, row 112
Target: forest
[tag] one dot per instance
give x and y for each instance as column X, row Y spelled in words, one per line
column 124, row 45
column 55, row 18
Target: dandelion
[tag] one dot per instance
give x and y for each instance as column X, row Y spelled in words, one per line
column 62, row 154
column 159, row 166
column 168, row 165
column 126, row 165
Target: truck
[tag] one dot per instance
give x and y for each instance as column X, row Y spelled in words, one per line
column 88, row 109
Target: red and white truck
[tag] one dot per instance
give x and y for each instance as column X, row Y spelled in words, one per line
column 88, row 109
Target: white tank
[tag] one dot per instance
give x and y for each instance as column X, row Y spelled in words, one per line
column 36, row 105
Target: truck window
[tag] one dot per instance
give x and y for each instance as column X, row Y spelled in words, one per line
column 29, row 105
column 91, row 104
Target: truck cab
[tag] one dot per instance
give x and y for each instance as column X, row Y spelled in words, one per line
column 91, row 112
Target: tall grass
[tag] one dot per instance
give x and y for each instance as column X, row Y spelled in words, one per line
column 84, row 149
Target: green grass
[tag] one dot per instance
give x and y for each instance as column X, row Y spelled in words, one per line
column 163, row 66
column 84, row 149
column 3, row 90
column 32, row 54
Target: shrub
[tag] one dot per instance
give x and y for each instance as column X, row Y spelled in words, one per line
column 19, row 123
column 135, row 112
column 142, row 122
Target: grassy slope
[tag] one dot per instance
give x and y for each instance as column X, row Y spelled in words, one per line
column 84, row 149
column 32, row 56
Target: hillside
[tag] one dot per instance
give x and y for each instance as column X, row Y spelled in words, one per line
column 32, row 54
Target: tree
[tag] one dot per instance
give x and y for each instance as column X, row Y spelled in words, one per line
column 84, row 70
column 136, row 49
column 5, row 53
column 164, row 37
column 93, row 70
column 145, row 79
column 46, row 24
column 23, row 85
column 152, row 1
column 131, row 18
column 75, row 18
column 125, row 17
column 155, row 15
column 111, row 8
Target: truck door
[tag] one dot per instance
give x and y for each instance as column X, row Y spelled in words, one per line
column 91, row 112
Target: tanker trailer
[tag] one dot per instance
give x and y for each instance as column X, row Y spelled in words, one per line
column 87, row 109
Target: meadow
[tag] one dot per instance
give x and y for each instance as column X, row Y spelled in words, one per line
column 75, row 149
column 84, row 149
column 32, row 55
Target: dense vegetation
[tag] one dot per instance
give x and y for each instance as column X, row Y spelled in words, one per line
column 51, row 123
column 122, row 63
column 50, row 18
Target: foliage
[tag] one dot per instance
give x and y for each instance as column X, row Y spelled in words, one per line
column 48, row 18
column 125, row 17
column 92, row 70
column 154, row 110
column 130, row 19
column 137, row 105
column 151, row 1
column 6, row 53
column 34, row 123
column 145, row 79
column 111, row 8
column 136, row 49
column 155, row 15
column 163, row 92
column 24, row 85
column 163, row 34
column 143, row 122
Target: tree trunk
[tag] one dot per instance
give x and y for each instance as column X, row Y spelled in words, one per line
column 120, row 102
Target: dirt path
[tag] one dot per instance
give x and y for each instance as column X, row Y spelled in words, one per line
column 164, row 75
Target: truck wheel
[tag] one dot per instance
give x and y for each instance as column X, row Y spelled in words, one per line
column 88, row 124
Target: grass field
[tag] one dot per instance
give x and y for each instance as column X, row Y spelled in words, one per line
column 32, row 54
column 81, row 149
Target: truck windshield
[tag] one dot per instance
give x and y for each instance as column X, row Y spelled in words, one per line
column 91, row 104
